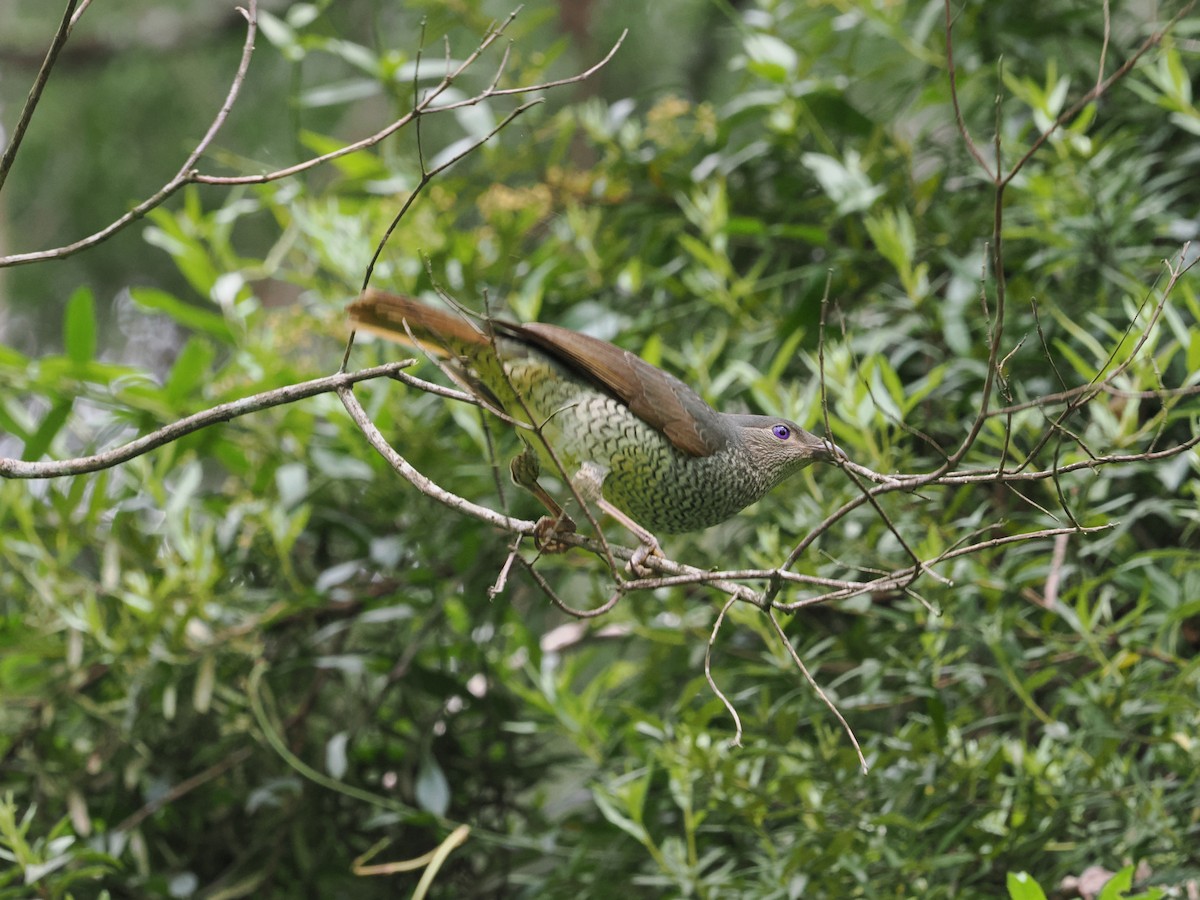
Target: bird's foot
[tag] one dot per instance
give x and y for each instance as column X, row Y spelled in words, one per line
column 547, row 533
column 647, row 548
column 647, row 543
column 548, row 530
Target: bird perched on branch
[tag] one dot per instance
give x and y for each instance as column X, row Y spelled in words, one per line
column 633, row 438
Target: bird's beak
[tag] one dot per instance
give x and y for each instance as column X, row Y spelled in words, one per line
column 832, row 451
column 822, row 449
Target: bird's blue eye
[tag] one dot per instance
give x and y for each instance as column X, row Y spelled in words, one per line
column 781, row 431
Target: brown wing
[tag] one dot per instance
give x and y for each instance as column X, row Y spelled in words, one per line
column 654, row 396
column 440, row 332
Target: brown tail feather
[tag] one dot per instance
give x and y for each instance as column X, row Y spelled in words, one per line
column 436, row 331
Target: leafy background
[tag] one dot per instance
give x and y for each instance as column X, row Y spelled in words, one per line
column 232, row 666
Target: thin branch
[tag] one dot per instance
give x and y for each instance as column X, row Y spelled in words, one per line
column 1101, row 87
column 996, row 336
column 16, row 468
column 424, row 107
column 952, row 72
column 35, row 92
column 1104, row 44
column 184, row 176
column 425, row 485
column 783, row 638
column 427, row 175
column 79, row 12
column 189, row 175
column 1071, row 393
column 549, row 591
column 898, row 580
column 183, row 788
column 736, row 741
column 1177, row 272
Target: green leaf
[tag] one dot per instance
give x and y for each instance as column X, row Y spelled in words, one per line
column 1022, row 887
column 185, row 314
column 432, row 789
column 13, row 419
column 846, row 184
column 281, row 34
column 1116, row 886
column 53, row 422
column 178, row 236
column 191, row 370
column 340, row 93
column 770, row 58
column 79, row 327
column 609, row 810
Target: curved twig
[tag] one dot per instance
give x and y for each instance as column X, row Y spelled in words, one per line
column 184, row 176
column 189, row 175
column 16, row 468
column 35, row 92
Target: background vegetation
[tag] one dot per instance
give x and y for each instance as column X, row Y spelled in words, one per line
column 233, row 666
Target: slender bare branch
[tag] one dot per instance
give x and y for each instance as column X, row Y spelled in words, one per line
column 427, row 175
column 736, row 740
column 184, row 176
column 188, row 174
column 783, row 639
column 952, row 73
column 35, row 92
column 425, row 485
column 16, row 468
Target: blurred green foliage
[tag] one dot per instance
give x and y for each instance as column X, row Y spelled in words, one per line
column 234, row 665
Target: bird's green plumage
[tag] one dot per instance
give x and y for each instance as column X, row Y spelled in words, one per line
column 678, row 466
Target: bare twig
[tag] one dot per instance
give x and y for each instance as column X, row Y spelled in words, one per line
column 736, row 741
column 427, row 175
column 79, row 12
column 783, row 638
column 189, row 175
column 183, row 788
column 1104, row 45
column 425, row 106
column 952, row 72
column 35, row 92
column 185, row 175
column 549, row 591
column 898, row 580
column 415, row 478
column 16, row 468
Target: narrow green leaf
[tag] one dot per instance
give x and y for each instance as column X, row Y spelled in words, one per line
column 185, row 314
column 615, row 817
column 79, row 327
column 1116, row 886
column 336, row 760
column 191, row 369
column 39, row 442
column 13, row 420
column 1022, row 887
column 770, row 58
column 10, row 358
